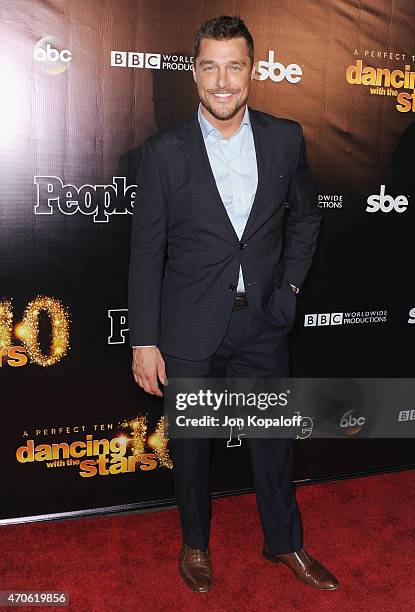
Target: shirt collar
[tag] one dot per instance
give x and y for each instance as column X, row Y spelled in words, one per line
column 207, row 128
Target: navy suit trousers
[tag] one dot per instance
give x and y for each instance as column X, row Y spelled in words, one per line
column 247, row 350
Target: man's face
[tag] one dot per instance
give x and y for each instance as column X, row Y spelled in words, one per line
column 223, row 75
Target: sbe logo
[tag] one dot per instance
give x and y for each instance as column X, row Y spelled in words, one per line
column 48, row 56
column 386, row 203
column 276, row 71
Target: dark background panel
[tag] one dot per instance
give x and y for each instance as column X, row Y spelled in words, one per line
column 86, row 125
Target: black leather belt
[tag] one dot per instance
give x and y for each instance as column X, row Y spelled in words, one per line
column 240, row 301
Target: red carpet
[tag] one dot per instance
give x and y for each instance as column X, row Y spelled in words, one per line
column 362, row 530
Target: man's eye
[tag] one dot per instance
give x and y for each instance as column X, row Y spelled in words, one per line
column 208, row 68
column 236, row 68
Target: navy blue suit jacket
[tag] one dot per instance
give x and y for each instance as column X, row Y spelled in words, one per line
column 183, row 303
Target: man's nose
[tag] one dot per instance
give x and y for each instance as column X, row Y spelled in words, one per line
column 222, row 80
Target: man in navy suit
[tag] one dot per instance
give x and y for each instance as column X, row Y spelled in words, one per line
column 212, row 195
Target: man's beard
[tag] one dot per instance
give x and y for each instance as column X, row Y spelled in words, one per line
column 222, row 114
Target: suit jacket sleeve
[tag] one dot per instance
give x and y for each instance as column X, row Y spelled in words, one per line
column 303, row 224
column 147, row 255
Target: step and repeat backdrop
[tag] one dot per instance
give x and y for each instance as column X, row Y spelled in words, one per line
column 83, row 84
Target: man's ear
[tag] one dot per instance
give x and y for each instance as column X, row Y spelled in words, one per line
column 253, row 70
column 194, row 74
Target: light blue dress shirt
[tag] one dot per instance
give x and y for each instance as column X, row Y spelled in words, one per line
column 234, row 167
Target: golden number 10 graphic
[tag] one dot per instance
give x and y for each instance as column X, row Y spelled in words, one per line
column 27, row 331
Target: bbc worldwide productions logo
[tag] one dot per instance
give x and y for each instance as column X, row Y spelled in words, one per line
column 406, row 415
column 329, row 200
column 152, row 61
column 324, row 319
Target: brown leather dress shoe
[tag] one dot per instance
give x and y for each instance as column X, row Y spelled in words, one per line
column 195, row 568
column 307, row 569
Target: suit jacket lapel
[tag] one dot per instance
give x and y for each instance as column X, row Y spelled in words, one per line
column 263, row 157
column 199, row 160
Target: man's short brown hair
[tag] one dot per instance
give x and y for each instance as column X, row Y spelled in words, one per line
column 223, row 28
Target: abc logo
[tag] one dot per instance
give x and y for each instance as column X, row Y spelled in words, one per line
column 277, row 71
column 53, row 55
column 351, row 424
column 48, row 57
column 351, row 421
column 386, row 203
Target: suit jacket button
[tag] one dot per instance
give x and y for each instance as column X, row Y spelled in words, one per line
column 232, row 287
column 242, row 245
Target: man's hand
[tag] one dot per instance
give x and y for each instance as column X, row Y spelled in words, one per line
column 148, row 364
